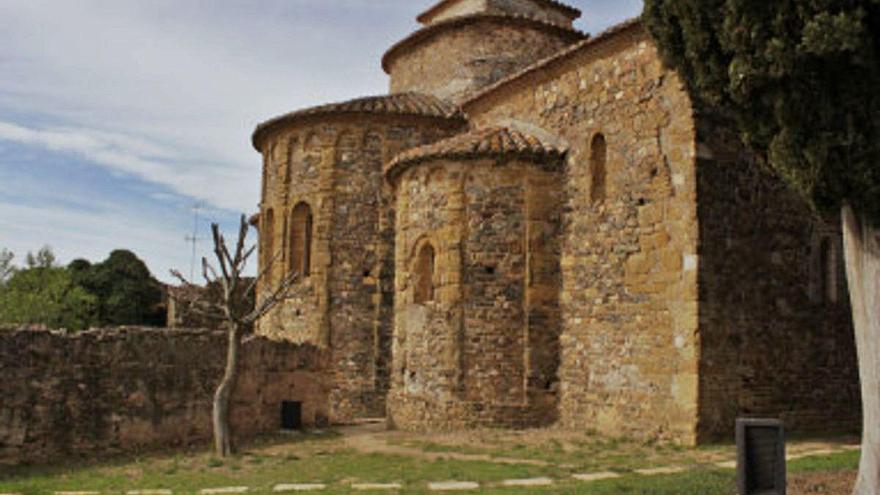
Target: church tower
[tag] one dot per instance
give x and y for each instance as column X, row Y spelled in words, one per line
column 466, row 45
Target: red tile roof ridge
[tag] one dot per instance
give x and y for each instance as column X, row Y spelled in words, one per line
column 415, row 104
column 479, row 143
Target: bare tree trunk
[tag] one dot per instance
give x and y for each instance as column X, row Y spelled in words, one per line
column 222, row 433
column 861, row 241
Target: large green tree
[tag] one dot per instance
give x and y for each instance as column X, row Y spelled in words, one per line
column 46, row 295
column 801, row 78
column 127, row 292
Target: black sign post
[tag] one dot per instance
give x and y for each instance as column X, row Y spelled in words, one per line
column 760, row 463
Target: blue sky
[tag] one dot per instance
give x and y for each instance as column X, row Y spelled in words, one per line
column 117, row 116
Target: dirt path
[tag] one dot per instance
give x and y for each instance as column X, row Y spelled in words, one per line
column 369, row 438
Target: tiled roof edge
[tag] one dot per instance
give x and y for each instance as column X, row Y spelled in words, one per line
column 489, row 142
column 403, row 104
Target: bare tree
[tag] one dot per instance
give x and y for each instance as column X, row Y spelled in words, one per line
column 232, row 310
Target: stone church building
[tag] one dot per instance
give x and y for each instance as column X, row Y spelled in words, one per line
column 539, row 227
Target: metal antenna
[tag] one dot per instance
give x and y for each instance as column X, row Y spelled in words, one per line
column 194, row 238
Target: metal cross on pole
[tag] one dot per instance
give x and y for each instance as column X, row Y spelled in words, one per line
column 194, row 238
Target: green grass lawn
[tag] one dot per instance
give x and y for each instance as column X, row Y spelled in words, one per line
column 326, row 459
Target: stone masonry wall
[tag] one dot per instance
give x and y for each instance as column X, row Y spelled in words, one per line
column 629, row 268
column 484, row 351
column 458, row 61
column 334, row 163
column 105, row 392
column 518, row 7
column 774, row 312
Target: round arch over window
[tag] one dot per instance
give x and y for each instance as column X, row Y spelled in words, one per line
column 423, row 274
column 301, row 239
column 598, row 173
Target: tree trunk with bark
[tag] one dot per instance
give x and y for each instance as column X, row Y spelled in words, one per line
column 222, row 434
column 861, row 239
column 236, row 316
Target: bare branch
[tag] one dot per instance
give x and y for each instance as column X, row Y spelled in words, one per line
column 239, row 246
column 220, row 249
column 263, row 273
column 272, row 300
column 246, row 256
column 179, row 276
column 198, row 305
column 209, row 273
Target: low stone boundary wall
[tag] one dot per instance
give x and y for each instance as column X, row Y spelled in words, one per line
column 66, row 395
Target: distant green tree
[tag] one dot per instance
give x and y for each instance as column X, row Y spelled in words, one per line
column 127, row 292
column 802, row 80
column 46, row 296
column 44, row 258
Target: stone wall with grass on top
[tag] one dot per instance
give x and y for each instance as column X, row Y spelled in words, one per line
column 111, row 391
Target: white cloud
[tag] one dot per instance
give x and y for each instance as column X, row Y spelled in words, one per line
column 168, row 91
column 143, row 159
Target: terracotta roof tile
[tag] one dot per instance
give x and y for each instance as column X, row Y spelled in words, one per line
column 415, row 104
column 481, row 143
column 515, row 19
column 561, row 55
column 570, row 11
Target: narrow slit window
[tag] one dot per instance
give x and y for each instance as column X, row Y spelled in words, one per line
column 301, row 240
column 424, row 275
column 268, row 236
column 598, row 173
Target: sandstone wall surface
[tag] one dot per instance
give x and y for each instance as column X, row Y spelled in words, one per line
column 334, row 164
column 777, row 339
column 111, row 391
column 459, row 60
column 484, row 350
column 629, row 341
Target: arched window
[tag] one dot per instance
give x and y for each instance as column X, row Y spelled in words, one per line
column 598, row 159
column 301, row 240
column 268, row 236
column 423, row 270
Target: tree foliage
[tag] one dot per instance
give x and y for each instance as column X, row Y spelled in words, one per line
column 118, row 291
column 127, row 292
column 46, row 296
column 799, row 76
